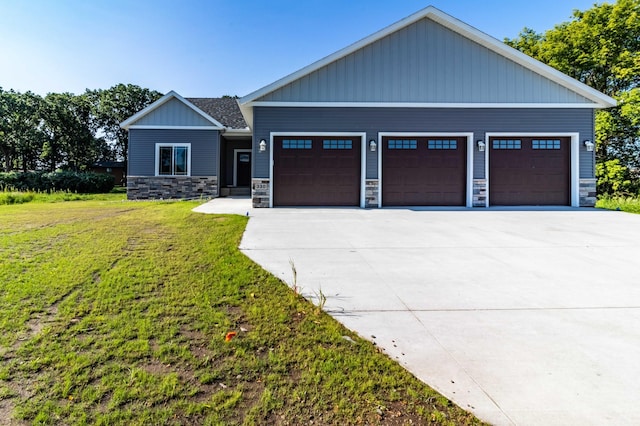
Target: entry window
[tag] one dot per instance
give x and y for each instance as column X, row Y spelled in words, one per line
column 442, row 144
column 337, row 144
column 507, row 144
column 296, row 144
column 173, row 159
column 403, row 144
column 545, row 144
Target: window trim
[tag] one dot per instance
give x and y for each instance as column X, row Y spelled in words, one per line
column 172, row 145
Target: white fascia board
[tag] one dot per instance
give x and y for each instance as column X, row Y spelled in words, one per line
column 602, row 100
column 237, row 132
column 419, row 105
column 247, row 113
column 156, row 127
column 128, row 123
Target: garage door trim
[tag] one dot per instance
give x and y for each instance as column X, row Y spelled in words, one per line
column 575, row 158
column 363, row 156
column 469, row 158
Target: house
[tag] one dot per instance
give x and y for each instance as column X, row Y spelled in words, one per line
column 177, row 149
column 113, row 168
column 426, row 112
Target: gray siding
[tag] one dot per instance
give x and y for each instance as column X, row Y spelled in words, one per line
column 204, row 150
column 172, row 113
column 374, row 120
column 424, row 62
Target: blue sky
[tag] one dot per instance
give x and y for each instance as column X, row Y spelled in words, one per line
column 215, row 47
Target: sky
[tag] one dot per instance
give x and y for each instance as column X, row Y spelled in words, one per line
column 211, row 48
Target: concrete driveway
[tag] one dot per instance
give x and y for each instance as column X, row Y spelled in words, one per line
column 521, row 317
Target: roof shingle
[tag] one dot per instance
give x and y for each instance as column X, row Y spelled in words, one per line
column 224, row 110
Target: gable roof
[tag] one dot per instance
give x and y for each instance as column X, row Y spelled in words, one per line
column 131, row 121
column 224, row 110
column 585, row 95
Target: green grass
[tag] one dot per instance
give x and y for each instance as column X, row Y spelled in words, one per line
column 627, row 204
column 116, row 312
column 21, row 197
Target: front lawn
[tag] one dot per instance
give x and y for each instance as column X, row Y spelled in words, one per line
column 627, row 204
column 115, row 312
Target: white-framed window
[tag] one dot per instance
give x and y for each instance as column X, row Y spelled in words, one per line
column 173, row 159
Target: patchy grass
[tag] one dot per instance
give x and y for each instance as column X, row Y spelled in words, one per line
column 118, row 312
column 627, row 204
column 21, row 197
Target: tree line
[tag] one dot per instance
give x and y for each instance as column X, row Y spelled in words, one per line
column 601, row 48
column 63, row 131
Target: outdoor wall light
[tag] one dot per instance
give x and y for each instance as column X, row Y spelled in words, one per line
column 481, row 146
column 589, row 145
column 372, row 145
column 263, row 145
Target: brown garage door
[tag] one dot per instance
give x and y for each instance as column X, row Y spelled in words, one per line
column 529, row 171
column 316, row 171
column 424, row 171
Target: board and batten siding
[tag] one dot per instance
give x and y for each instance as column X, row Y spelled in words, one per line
column 374, row 120
column 172, row 113
column 204, row 149
column 424, row 62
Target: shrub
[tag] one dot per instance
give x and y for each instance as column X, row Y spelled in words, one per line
column 615, row 178
column 80, row 182
column 8, row 197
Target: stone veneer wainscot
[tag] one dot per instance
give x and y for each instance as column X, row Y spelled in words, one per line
column 371, row 193
column 587, row 192
column 260, row 192
column 168, row 187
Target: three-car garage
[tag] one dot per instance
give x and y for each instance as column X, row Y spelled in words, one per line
column 420, row 169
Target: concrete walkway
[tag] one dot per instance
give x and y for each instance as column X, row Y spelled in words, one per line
column 527, row 317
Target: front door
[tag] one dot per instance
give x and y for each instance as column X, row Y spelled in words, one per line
column 243, row 168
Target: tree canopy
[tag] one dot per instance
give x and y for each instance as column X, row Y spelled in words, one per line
column 67, row 131
column 601, row 48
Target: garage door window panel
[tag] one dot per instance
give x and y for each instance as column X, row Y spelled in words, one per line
column 442, row 144
column 337, row 144
column 507, row 144
column 297, row 144
column 403, row 144
column 545, row 144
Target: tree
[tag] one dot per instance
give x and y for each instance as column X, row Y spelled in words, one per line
column 20, row 130
column 69, row 129
column 114, row 105
column 601, row 48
